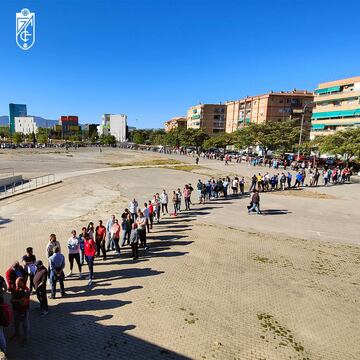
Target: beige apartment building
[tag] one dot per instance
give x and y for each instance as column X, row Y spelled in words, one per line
column 174, row 123
column 209, row 117
column 274, row 106
column 337, row 106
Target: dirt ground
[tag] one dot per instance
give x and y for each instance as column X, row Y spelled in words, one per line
column 216, row 283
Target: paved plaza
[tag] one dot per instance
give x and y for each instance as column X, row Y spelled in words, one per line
column 216, row 282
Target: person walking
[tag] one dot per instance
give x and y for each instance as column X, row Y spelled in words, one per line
column 20, row 302
column 74, row 253
column 100, row 234
column 164, row 199
column 124, row 229
column 109, row 239
column 57, row 265
column 40, row 278
column 134, row 240
column 255, row 200
column 90, row 251
column 133, row 208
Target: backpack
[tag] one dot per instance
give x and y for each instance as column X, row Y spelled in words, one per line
column 5, row 315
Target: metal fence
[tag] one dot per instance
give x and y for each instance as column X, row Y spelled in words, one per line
column 34, row 183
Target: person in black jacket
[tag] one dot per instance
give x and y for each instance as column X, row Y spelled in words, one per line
column 40, row 279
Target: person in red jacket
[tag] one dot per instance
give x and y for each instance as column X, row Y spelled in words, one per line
column 14, row 272
column 20, row 302
column 89, row 251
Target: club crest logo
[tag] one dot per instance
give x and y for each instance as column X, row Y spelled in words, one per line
column 25, row 29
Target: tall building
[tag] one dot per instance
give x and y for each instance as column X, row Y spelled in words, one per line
column 15, row 110
column 211, row 118
column 25, row 125
column 114, row 124
column 274, row 106
column 68, row 125
column 175, row 122
column 337, row 106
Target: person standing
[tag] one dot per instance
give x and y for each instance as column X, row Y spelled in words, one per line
column 134, row 240
column 199, row 188
column 81, row 244
column 12, row 274
column 157, row 203
column 179, row 195
column 100, row 234
column 187, row 194
column 40, row 286
column 109, row 242
column 20, row 302
column 28, row 261
column 57, row 265
column 124, row 229
column 74, row 253
column 141, row 224
column 164, row 199
column 242, row 186
column 146, row 213
column 151, row 214
column 289, row 178
column 90, row 251
column 51, row 245
column 175, row 201
column 115, row 235
column 5, row 321
column 133, row 207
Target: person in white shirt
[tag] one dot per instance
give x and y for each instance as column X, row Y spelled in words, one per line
column 164, row 199
column 74, row 253
column 109, row 241
column 133, row 208
column 146, row 213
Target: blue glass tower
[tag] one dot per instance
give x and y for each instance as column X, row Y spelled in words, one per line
column 15, row 110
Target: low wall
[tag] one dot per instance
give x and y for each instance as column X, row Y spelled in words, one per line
column 10, row 180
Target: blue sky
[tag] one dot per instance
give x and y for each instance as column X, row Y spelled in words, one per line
column 152, row 59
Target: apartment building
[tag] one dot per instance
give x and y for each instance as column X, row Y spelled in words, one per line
column 114, row 124
column 337, row 106
column 175, row 122
column 25, row 125
column 274, row 106
column 211, row 118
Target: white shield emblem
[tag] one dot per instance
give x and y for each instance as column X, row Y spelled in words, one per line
column 25, row 29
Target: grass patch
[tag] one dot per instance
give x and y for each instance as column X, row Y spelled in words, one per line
column 153, row 162
column 283, row 336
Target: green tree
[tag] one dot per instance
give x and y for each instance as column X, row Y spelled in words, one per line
column 18, row 138
column 193, row 137
column 107, row 140
column 344, row 143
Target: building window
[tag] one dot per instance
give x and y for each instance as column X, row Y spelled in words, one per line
column 281, row 101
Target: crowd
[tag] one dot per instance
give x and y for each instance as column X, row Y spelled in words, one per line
column 31, row 275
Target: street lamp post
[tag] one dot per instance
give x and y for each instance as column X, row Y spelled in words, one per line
column 302, row 126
